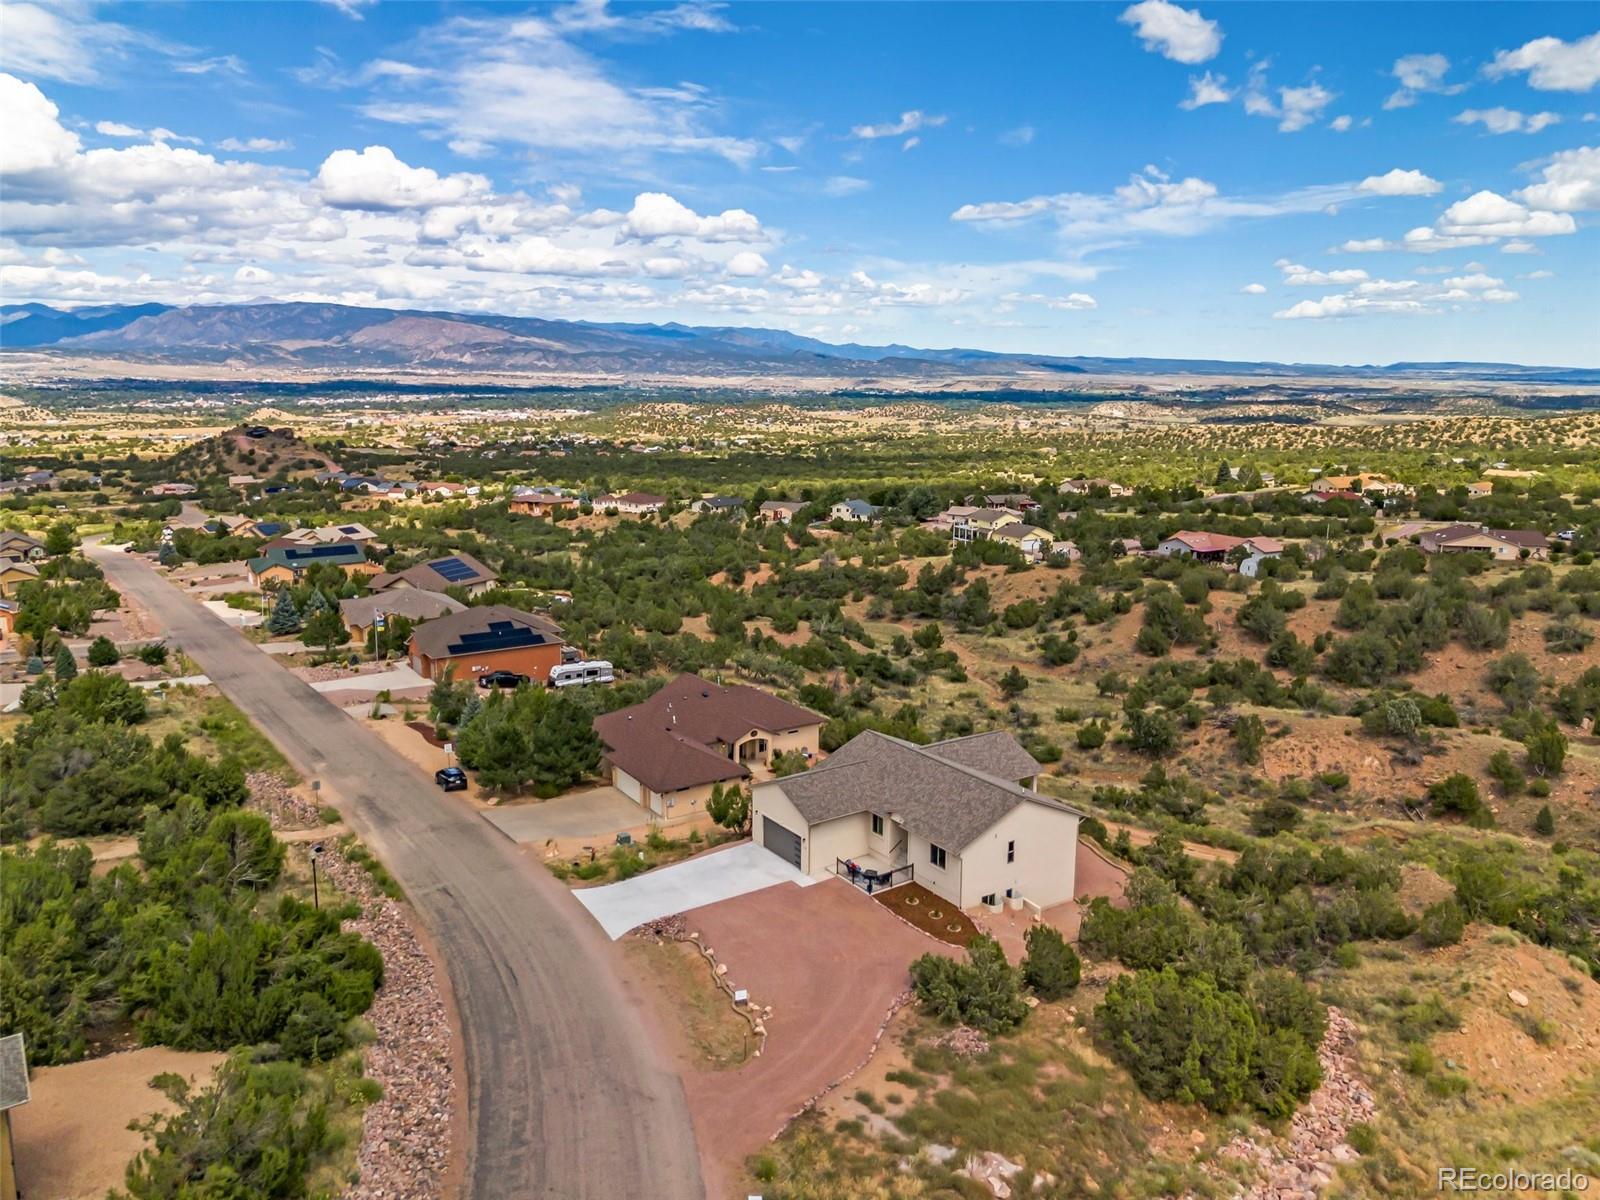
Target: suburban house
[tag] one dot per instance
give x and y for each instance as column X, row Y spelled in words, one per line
column 492, row 637
column 668, row 752
column 283, row 564
column 1066, row 551
column 981, row 523
column 1084, row 487
column 946, row 521
column 960, row 817
column 456, row 570
column 1502, row 544
column 854, row 510
column 631, row 504
column 1260, row 549
column 1320, row 497
column 350, row 531
column 360, row 612
column 1020, row 501
column 171, row 489
column 1215, row 547
column 1030, row 539
column 19, row 547
column 1367, row 484
column 540, row 502
column 1480, row 489
column 780, row 511
column 14, row 574
column 722, row 506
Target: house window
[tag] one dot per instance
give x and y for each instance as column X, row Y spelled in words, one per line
column 936, row 855
column 877, row 824
column 989, row 899
column 1011, row 852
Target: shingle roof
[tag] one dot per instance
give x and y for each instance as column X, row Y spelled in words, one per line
column 994, row 753
column 484, row 629
column 437, row 574
column 412, row 603
column 296, row 557
column 938, row 798
column 1206, row 543
column 13, row 1072
column 665, row 742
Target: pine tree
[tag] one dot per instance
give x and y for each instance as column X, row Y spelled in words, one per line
column 66, row 665
column 285, row 616
column 316, row 603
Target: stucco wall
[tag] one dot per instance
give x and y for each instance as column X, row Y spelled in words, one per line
column 946, row 883
column 681, row 805
column 768, row 800
column 842, row 837
column 532, row 661
column 1046, row 841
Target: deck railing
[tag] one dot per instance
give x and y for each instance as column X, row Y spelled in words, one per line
column 873, row 879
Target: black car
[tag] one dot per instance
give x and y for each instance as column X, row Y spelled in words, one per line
column 451, row 779
column 502, row 679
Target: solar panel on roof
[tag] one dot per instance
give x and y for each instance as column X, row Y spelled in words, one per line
column 454, row 570
column 501, row 635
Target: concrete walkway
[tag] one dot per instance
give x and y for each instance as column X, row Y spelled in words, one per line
column 591, row 813
column 717, row 875
column 240, row 617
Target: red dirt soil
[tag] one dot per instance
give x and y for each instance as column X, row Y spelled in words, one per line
column 829, row 960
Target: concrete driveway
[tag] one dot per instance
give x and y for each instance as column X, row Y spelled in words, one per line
column 592, row 813
column 717, row 875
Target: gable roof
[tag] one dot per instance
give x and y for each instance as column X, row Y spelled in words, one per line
column 994, row 753
column 1205, row 543
column 297, row 558
column 412, row 603
column 782, row 505
column 483, row 630
column 859, row 508
column 1016, row 531
column 1529, row 539
column 454, row 570
column 666, row 742
column 936, row 795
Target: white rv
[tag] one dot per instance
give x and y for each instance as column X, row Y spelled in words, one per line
column 574, row 673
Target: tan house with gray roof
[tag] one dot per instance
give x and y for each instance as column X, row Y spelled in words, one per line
column 960, row 817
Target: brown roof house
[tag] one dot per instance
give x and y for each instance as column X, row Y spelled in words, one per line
column 490, row 637
column 1504, row 545
column 668, row 752
column 455, row 570
column 359, row 613
column 632, row 504
column 960, row 817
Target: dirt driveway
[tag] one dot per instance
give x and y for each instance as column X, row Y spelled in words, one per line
column 72, row 1138
column 829, row 960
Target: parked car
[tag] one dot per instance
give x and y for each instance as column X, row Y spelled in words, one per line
column 502, row 679
column 451, row 779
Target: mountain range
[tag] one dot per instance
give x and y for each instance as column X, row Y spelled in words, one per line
column 336, row 336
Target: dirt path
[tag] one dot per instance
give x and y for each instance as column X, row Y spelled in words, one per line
column 72, row 1137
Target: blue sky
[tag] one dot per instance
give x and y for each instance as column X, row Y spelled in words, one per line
column 1291, row 181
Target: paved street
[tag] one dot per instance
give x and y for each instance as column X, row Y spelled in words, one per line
column 568, row 1097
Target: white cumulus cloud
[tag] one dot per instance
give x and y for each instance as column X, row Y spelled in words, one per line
column 1206, row 89
column 658, row 215
column 1180, row 34
column 1507, row 120
column 1552, row 65
column 1400, row 182
column 1571, row 182
column 375, row 180
column 1489, row 214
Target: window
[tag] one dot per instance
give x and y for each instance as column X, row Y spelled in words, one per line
column 877, row 824
column 1011, row 852
column 936, row 855
column 989, row 900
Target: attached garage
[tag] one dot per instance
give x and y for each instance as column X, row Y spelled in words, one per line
column 785, row 843
column 627, row 785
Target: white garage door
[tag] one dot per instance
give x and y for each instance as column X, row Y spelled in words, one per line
column 627, row 785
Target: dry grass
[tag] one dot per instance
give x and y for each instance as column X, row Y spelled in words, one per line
column 712, row 1035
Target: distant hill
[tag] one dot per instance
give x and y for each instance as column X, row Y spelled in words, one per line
column 235, row 452
column 344, row 336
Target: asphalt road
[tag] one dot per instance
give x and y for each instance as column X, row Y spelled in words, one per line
column 568, row 1097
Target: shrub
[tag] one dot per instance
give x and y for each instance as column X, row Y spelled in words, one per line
column 1442, row 924
column 1249, row 732
column 1508, row 777
column 103, row 652
column 66, row 666
column 1545, row 823
column 1051, row 967
column 1180, row 1037
column 983, row 992
column 152, row 654
column 1547, row 750
column 1458, row 795
column 1091, row 736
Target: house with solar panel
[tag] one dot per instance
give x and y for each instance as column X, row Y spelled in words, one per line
column 491, row 637
column 284, row 564
column 455, row 570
